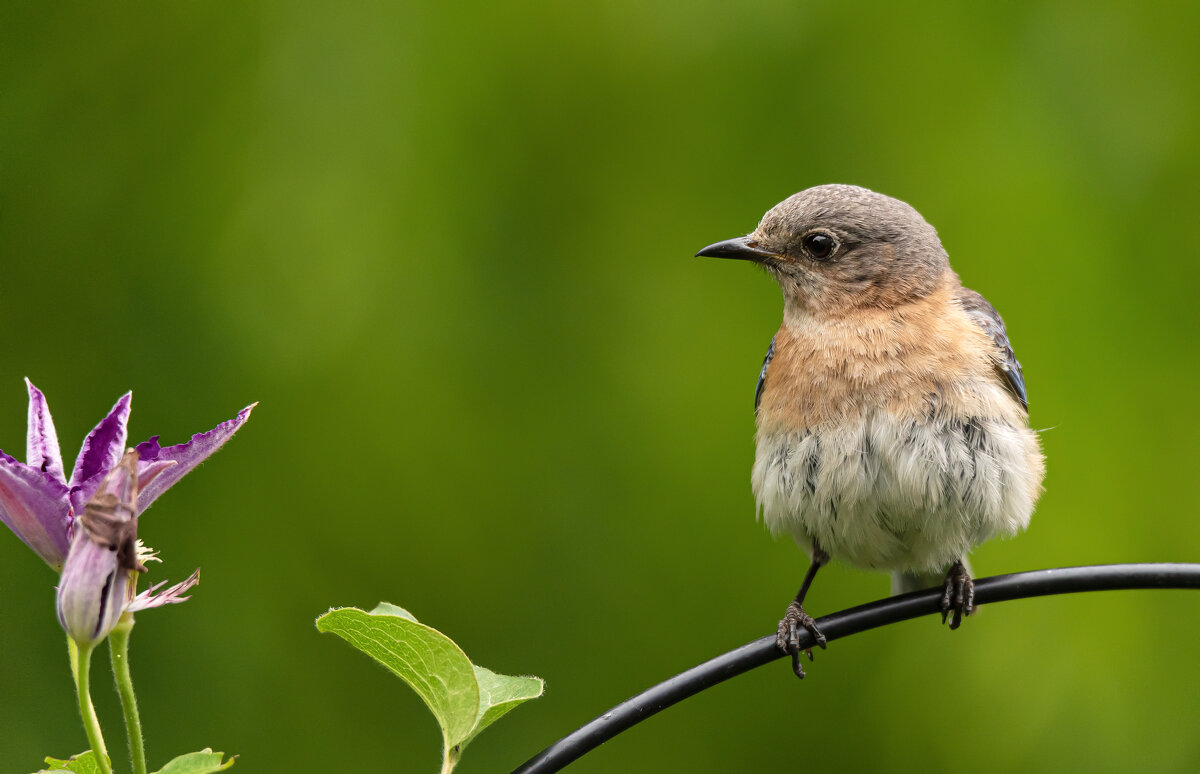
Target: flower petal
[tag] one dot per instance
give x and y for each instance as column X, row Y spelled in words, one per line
column 82, row 492
column 103, row 447
column 91, row 591
column 148, row 599
column 187, row 455
column 147, row 472
column 35, row 506
column 41, row 446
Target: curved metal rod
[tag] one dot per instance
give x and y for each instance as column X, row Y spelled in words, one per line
column 999, row 588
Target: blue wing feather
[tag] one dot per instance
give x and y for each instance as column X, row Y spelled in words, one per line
column 762, row 375
column 987, row 318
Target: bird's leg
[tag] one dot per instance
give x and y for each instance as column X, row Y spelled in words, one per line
column 788, row 637
column 959, row 596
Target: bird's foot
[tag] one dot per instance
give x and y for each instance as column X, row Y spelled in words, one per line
column 959, row 597
column 788, row 637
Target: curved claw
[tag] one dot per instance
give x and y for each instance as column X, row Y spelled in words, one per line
column 787, row 637
column 959, row 595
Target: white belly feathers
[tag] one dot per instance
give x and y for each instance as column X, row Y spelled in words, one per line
column 897, row 494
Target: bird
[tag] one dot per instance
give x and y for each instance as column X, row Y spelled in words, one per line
column 892, row 414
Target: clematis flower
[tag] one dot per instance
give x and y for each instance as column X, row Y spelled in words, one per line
column 100, row 575
column 40, row 504
column 96, row 583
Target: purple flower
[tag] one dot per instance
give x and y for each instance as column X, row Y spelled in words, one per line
column 40, row 504
column 100, row 575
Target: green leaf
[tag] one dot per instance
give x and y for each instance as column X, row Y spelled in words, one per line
column 464, row 698
column 387, row 608
column 421, row 656
column 83, row 763
column 204, row 762
column 498, row 694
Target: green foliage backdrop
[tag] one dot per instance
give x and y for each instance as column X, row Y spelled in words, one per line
column 448, row 247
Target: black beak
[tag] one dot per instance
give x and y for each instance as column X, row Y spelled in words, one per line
column 741, row 248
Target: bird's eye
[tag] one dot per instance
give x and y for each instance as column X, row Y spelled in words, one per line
column 819, row 245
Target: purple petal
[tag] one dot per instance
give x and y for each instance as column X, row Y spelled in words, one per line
column 41, row 447
column 103, row 447
column 91, row 591
column 187, row 455
column 148, row 599
column 83, row 491
column 147, row 472
column 35, row 506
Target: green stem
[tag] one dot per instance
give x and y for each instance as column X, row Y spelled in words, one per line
column 81, row 660
column 118, row 649
column 450, row 759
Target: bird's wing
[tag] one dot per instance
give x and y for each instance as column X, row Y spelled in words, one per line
column 762, row 375
column 988, row 319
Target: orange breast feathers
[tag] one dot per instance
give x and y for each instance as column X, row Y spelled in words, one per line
column 913, row 361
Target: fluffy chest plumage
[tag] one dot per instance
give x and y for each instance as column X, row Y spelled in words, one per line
column 890, row 440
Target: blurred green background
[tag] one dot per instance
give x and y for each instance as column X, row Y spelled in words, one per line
column 449, row 248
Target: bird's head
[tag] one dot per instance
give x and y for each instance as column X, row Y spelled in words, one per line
column 835, row 248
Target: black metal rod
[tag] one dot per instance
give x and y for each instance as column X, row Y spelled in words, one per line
column 1000, row 588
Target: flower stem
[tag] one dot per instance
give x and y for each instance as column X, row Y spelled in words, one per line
column 81, row 659
column 118, row 649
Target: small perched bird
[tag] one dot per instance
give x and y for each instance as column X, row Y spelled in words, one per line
column 892, row 413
